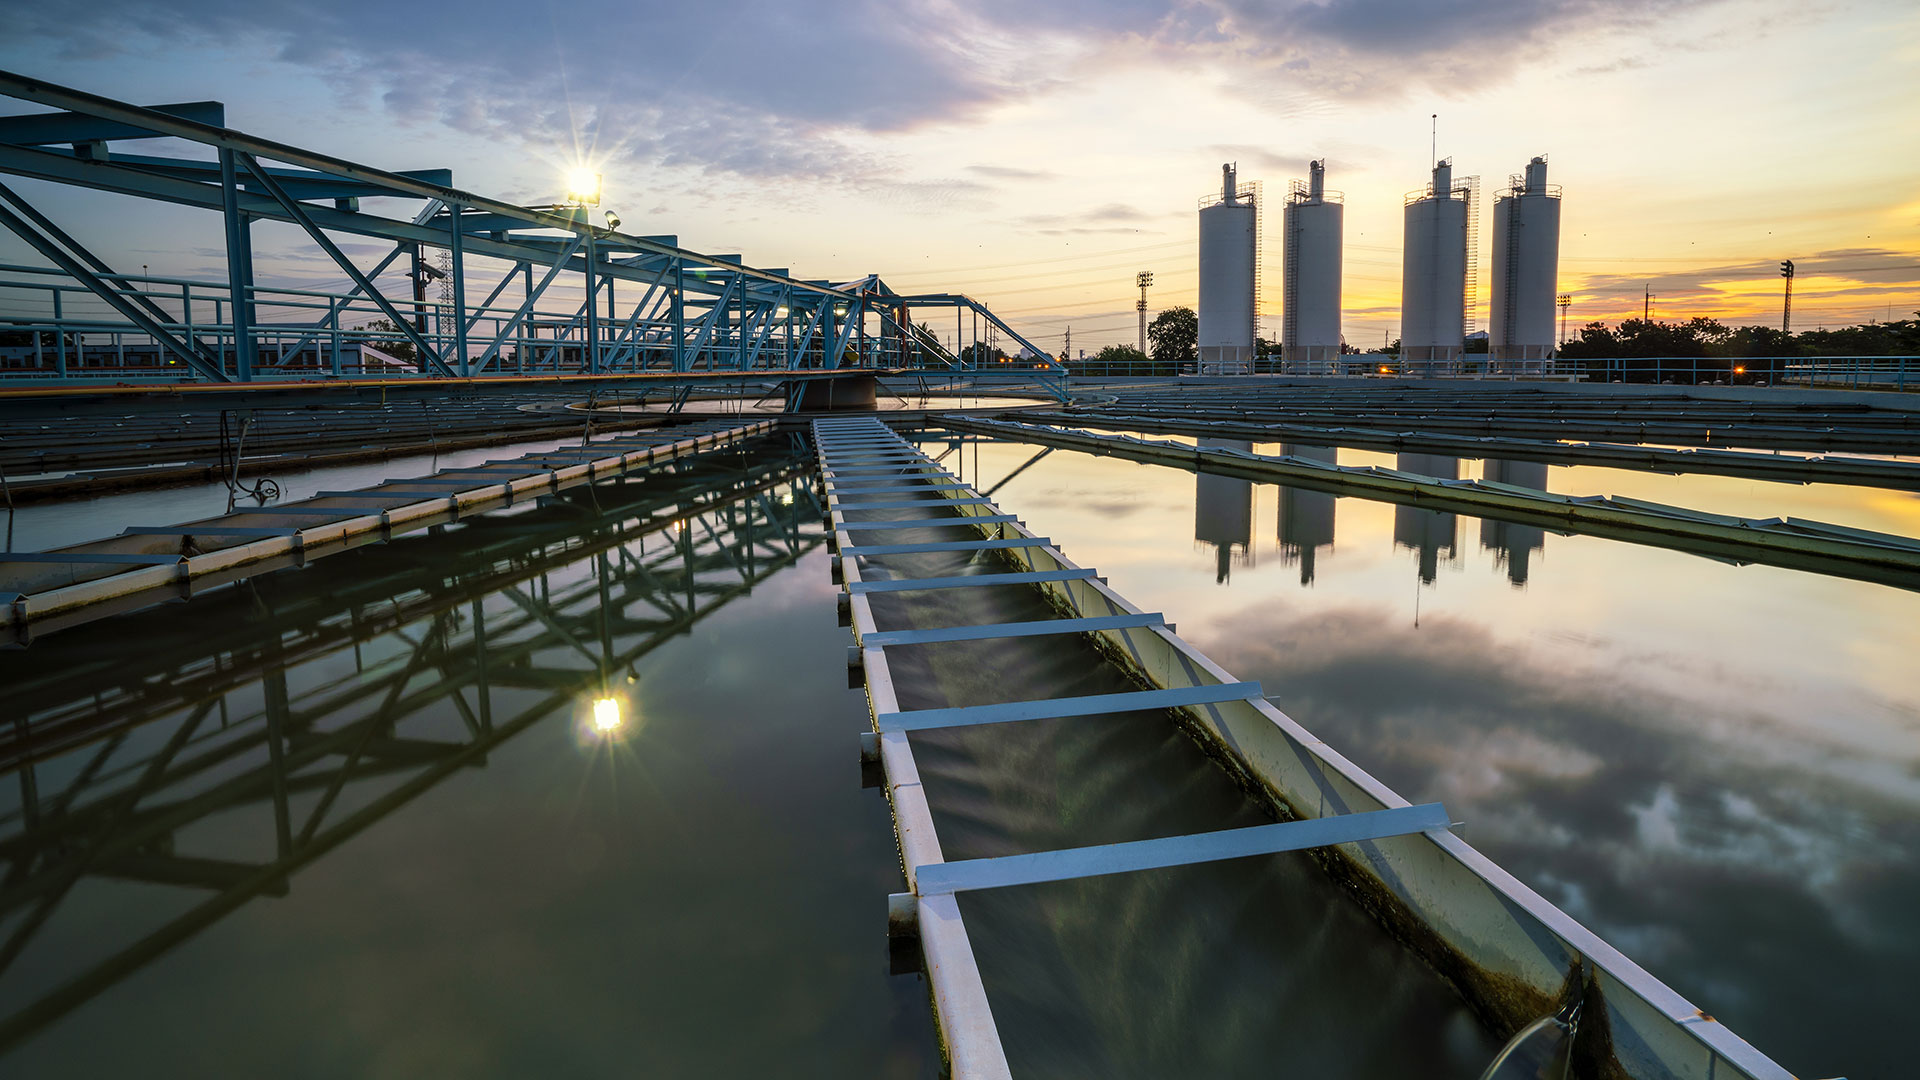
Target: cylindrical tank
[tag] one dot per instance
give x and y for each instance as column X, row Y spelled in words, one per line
column 1526, row 268
column 1433, row 278
column 1310, row 315
column 1229, row 239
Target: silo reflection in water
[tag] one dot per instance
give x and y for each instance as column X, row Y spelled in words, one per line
column 1223, row 512
column 1306, row 517
column 1430, row 533
column 1513, row 545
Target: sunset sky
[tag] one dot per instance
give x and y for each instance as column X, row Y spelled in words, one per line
column 1036, row 155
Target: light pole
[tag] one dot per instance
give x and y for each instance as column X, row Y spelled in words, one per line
column 1566, row 301
column 583, row 190
column 1143, row 279
column 1786, row 309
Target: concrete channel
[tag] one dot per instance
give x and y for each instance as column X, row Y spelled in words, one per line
column 1782, row 468
column 1787, row 542
column 52, row 589
column 1514, row 956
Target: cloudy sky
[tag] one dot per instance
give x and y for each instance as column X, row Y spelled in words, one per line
column 1036, row 154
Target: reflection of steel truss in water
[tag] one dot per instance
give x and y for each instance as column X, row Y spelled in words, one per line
column 413, row 662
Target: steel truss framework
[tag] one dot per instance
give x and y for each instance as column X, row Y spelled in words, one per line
column 415, row 659
column 562, row 294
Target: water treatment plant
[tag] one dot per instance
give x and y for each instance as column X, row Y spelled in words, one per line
column 545, row 647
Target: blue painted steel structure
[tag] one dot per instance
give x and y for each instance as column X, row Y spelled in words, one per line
column 565, row 296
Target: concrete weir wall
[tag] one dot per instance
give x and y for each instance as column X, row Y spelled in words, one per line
column 1513, row 954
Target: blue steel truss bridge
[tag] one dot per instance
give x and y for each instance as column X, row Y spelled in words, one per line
column 459, row 291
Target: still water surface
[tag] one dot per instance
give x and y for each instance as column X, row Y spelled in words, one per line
column 1715, row 767
column 696, row 892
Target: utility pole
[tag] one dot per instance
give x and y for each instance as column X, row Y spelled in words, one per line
column 1566, row 301
column 1646, row 304
column 1143, row 279
column 1786, row 310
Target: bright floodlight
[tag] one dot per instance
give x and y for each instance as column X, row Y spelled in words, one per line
column 606, row 715
column 583, row 186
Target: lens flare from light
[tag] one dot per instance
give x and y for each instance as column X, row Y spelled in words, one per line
column 583, row 186
column 606, row 715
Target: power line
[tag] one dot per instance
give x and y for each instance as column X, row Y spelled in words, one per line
column 1060, row 258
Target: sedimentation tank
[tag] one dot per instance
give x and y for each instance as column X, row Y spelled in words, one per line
column 1435, row 279
column 1526, row 267
column 1229, row 245
column 1313, row 225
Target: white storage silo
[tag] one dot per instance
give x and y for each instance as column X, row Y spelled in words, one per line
column 1229, row 271
column 1526, row 267
column 1436, row 271
column 1312, row 224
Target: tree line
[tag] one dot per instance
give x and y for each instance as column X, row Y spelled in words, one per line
column 1706, row 338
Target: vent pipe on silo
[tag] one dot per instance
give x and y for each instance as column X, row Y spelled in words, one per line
column 1229, row 185
column 1537, row 176
column 1316, row 180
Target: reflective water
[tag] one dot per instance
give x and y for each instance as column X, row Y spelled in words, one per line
column 566, row 790
column 1877, row 509
column 1715, row 767
column 362, row 819
column 1246, row 968
column 889, row 399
